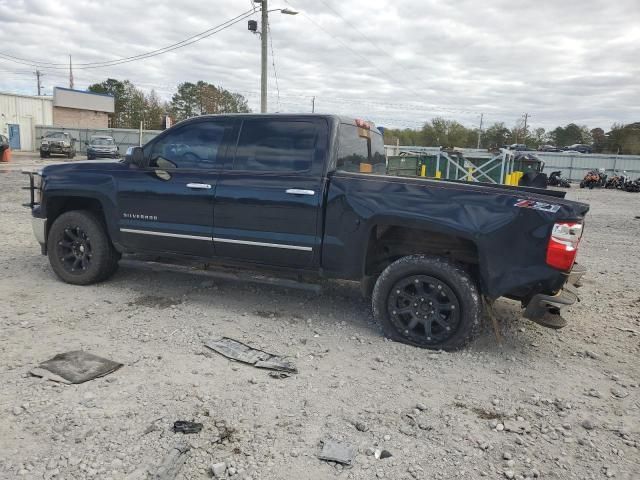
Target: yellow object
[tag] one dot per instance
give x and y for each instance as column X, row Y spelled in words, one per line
column 438, row 174
column 423, row 171
column 470, row 174
column 366, row 168
column 514, row 178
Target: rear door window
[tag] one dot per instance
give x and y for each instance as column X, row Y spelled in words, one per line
column 360, row 150
column 276, row 145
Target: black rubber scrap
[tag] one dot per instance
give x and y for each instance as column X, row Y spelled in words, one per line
column 184, row 426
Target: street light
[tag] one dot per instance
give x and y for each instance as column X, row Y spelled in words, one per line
column 264, row 54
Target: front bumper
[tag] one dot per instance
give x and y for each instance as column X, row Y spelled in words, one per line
column 542, row 305
column 39, row 226
column 55, row 149
column 96, row 154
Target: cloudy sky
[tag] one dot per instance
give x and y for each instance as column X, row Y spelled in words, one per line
column 398, row 63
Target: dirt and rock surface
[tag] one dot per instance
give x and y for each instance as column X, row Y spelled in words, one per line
column 548, row 404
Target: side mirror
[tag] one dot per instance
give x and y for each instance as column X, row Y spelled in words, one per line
column 135, row 156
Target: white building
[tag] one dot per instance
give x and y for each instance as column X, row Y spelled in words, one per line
column 19, row 114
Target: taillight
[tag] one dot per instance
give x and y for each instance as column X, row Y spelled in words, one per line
column 563, row 245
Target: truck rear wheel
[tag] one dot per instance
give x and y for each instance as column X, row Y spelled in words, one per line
column 428, row 302
column 80, row 251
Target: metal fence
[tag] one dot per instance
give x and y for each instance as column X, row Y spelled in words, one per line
column 123, row 137
column 573, row 166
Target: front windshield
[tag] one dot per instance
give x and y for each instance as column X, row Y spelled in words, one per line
column 56, row 136
column 102, row 141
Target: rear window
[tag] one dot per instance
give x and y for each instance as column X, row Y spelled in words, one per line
column 360, row 150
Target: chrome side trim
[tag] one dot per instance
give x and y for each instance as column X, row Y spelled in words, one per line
column 262, row 244
column 216, row 239
column 203, row 186
column 164, row 234
column 39, row 227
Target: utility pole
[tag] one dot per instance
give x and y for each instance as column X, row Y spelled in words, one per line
column 480, row 131
column 526, row 116
column 70, row 74
column 263, row 61
column 313, row 105
column 38, row 75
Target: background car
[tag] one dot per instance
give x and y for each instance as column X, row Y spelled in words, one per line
column 102, row 146
column 519, row 147
column 57, row 143
column 549, row 148
column 579, row 147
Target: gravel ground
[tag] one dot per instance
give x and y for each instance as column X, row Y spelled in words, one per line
column 550, row 404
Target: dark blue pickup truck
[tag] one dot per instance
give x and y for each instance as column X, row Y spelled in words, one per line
column 310, row 194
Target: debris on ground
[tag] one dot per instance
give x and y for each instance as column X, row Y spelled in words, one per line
column 184, row 426
column 339, row 452
column 382, row 454
column 219, row 469
column 240, row 352
column 75, row 367
column 172, row 463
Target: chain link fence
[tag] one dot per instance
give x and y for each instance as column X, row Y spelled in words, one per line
column 123, row 137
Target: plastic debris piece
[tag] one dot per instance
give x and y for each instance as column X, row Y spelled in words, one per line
column 339, row 452
column 172, row 463
column 238, row 351
column 184, row 426
column 75, row 367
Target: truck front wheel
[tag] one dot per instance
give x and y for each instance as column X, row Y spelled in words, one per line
column 79, row 248
column 428, row 302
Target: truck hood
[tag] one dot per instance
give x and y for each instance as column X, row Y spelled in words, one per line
column 98, row 166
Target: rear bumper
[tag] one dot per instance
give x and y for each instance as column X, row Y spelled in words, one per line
column 541, row 304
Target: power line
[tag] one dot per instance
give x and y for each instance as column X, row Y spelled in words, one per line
column 273, row 60
column 383, row 72
column 108, row 63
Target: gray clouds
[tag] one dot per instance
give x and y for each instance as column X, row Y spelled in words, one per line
column 398, row 63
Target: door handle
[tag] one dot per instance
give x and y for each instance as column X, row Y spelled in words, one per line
column 298, row 191
column 202, row 186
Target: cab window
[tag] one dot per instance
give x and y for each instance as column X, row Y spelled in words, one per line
column 193, row 146
column 276, row 145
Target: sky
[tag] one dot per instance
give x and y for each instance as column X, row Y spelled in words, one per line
column 397, row 63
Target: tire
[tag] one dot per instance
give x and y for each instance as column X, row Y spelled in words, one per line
column 79, row 249
column 90, row 157
column 442, row 289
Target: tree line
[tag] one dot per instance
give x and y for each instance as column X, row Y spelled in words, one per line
column 132, row 105
column 440, row 132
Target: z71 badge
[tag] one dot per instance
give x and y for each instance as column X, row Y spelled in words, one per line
column 544, row 207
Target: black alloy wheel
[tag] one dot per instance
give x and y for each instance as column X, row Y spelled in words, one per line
column 79, row 248
column 424, row 309
column 428, row 301
column 74, row 250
